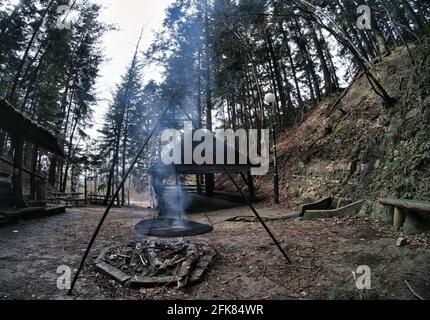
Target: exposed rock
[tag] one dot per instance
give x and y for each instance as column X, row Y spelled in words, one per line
column 382, row 213
column 377, row 164
column 319, row 205
column 401, row 242
column 351, row 210
column 413, row 113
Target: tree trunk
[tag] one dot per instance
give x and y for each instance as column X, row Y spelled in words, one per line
column 209, row 178
column 52, row 175
column 199, row 111
column 277, row 74
column 350, row 28
column 12, row 97
column 290, row 57
column 70, row 150
column 110, row 184
column 309, row 64
column 419, row 22
column 275, row 91
column 328, row 84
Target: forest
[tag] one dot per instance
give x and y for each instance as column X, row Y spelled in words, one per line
column 217, row 61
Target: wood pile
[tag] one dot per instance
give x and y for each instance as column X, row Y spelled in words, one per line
column 153, row 263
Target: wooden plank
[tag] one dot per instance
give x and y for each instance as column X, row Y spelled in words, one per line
column 421, row 206
column 112, row 272
column 149, row 282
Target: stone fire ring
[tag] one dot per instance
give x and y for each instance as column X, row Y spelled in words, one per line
column 103, row 266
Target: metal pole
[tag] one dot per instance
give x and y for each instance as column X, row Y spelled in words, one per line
column 275, row 158
column 112, row 201
column 258, row 216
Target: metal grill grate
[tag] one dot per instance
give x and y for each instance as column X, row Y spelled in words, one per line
column 171, row 228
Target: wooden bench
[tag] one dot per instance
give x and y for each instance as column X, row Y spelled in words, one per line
column 407, row 213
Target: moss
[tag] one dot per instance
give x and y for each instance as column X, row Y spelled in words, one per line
column 405, row 161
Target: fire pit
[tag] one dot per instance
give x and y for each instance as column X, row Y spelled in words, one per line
column 171, row 228
column 156, row 263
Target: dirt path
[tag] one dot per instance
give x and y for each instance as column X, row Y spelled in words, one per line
column 248, row 265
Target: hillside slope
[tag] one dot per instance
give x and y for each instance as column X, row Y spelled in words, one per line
column 360, row 148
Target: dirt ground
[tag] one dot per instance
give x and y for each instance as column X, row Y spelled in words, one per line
column 248, row 265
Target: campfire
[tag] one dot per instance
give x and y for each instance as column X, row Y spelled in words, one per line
column 157, row 262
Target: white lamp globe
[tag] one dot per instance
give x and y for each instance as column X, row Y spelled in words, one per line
column 269, row 98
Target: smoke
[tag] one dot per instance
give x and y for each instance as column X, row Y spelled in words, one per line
column 171, row 200
column 176, row 201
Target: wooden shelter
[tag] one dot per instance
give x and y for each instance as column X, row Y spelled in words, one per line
column 161, row 173
column 21, row 128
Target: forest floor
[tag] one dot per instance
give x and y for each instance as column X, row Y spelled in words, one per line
column 248, row 264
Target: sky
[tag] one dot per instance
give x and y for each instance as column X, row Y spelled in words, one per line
column 129, row 16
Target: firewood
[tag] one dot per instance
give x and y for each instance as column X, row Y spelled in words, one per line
column 143, row 260
column 177, row 259
column 186, row 268
column 153, row 257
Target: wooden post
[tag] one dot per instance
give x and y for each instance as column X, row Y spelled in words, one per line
column 209, row 184
column 199, row 185
column 85, row 187
column 251, row 187
column 128, row 191
column 250, row 184
column 33, row 170
column 2, row 140
column 399, row 217
column 18, row 144
column 96, row 192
